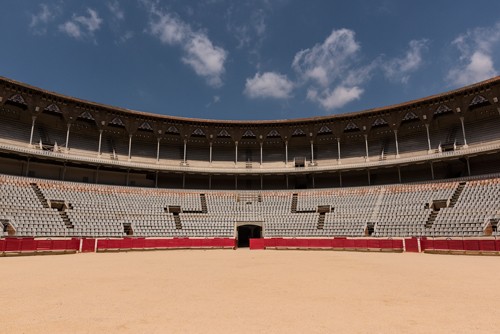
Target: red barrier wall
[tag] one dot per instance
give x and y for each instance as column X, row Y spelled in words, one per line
column 337, row 243
column 16, row 245
column 88, row 245
column 141, row 243
column 257, row 244
column 411, row 245
column 465, row 244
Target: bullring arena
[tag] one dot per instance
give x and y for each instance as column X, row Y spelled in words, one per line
column 324, row 224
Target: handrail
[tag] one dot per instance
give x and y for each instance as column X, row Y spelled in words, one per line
column 65, row 156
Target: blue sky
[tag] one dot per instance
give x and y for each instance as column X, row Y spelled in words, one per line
column 261, row 59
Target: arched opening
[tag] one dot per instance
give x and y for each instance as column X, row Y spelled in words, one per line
column 247, row 232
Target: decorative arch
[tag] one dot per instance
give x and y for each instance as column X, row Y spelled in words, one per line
column 273, row 134
column 351, row 126
column 379, row 122
column 442, row 109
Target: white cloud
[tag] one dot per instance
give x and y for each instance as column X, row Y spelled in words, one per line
column 206, row 59
column 116, row 10
column 91, row 23
column 268, row 85
column 42, row 18
column 478, row 67
column 215, row 100
column 82, row 26
column 126, row 36
column 169, row 29
column 331, row 70
column 477, row 48
column 71, row 29
column 329, row 61
column 336, row 98
column 399, row 69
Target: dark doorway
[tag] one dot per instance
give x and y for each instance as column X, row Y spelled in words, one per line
column 246, row 232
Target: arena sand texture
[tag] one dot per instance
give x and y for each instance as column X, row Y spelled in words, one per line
column 243, row 291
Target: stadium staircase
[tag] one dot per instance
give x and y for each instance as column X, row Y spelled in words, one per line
column 60, row 206
column 40, row 195
column 457, row 193
column 294, row 203
column 432, row 218
column 322, row 210
column 177, row 220
column 453, row 200
column 203, row 200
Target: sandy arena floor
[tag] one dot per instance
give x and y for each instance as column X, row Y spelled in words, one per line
column 226, row 291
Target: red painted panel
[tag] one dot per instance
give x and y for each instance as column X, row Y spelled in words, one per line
column 441, row 244
column 13, row 244
column 455, row 244
column 60, row 245
column 127, row 243
column 338, row 243
column 271, row 243
column 497, row 244
column 349, row 243
column 487, row 245
column 426, row 244
column 472, row 245
column 360, row 243
column 183, row 243
column 164, row 243
column 139, row 243
column 2, row 245
column 257, row 244
column 88, row 245
column 231, row 243
column 397, row 244
column 411, row 245
column 44, row 245
column 290, row 243
column 209, row 243
column 303, row 243
column 375, row 243
column 28, row 245
column 320, row 243
column 386, row 243
column 280, row 242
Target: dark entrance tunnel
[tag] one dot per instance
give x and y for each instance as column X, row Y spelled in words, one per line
column 246, row 232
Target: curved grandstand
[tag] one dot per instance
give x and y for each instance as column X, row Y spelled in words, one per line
column 425, row 168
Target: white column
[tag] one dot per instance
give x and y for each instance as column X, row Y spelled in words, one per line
column 286, row 153
column 210, row 152
column 261, row 143
column 428, row 139
column 397, row 145
column 463, row 131
column 312, row 152
column 100, row 142
column 338, row 149
column 366, row 147
column 158, row 149
column 67, row 137
column 33, row 118
column 236, row 153
column 129, row 147
column 185, row 151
